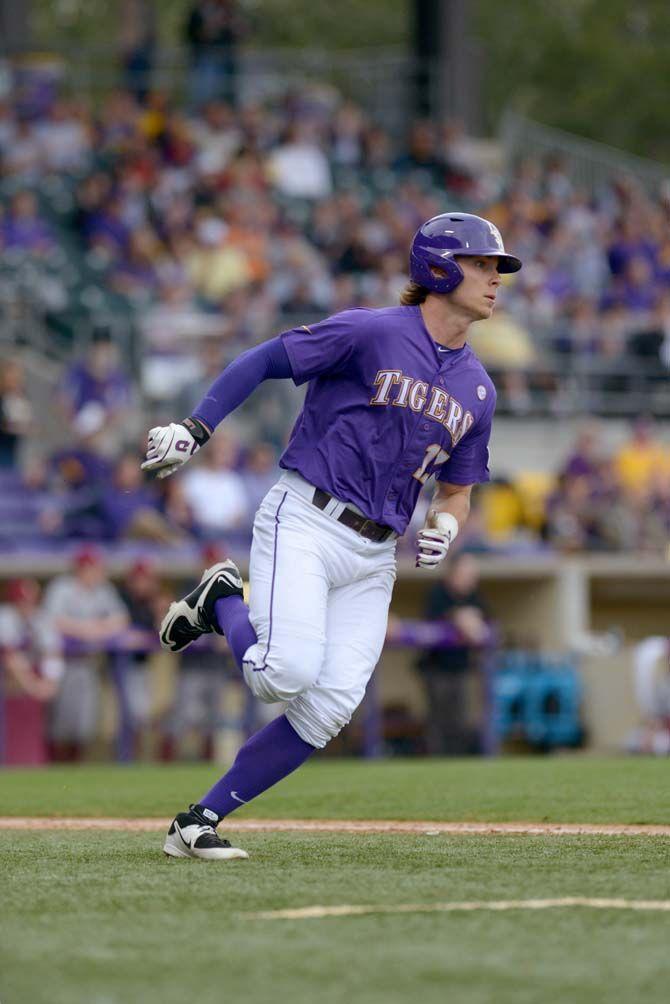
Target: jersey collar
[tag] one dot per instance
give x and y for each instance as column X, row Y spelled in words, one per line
column 443, row 356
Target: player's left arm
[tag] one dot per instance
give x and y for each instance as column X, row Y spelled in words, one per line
column 448, row 511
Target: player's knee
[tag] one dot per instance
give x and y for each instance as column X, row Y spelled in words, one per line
column 291, row 677
column 284, row 676
column 333, row 723
column 317, row 721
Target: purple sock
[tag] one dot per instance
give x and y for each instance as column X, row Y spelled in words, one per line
column 271, row 754
column 232, row 613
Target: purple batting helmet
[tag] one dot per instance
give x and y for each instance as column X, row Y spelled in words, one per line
column 437, row 241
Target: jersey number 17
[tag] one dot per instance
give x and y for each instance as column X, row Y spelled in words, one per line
column 434, row 457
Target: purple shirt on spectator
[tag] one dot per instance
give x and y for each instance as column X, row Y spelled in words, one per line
column 81, row 387
column 79, row 466
column 29, row 234
column 579, row 465
column 635, row 297
column 119, row 506
column 620, row 253
column 107, row 226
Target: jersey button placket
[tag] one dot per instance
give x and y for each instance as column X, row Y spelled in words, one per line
column 420, row 439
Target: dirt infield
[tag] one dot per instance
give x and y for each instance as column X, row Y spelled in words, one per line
column 425, row 827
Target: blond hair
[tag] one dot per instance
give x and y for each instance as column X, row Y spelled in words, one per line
column 413, row 294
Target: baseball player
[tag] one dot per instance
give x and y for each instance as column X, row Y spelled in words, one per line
column 395, row 396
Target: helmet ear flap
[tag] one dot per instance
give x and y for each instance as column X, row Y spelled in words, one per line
column 453, row 274
column 422, row 264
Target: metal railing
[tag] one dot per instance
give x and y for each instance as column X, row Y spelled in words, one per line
column 585, row 384
column 591, row 164
column 121, row 651
column 381, row 80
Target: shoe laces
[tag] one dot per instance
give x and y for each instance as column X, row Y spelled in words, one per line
column 208, row 837
column 207, row 831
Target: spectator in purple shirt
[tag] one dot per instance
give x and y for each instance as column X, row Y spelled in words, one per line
column 125, row 499
column 78, row 477
column 90, row 197
column 24, row 228
column 639, row 291
column 587, row 453
column 97, row 379
column 135, row 276
column 129, row 507
column 629, row 242
column 106, row 228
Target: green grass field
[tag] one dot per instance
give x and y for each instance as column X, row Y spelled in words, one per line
column 104, row 918
column 564, row 789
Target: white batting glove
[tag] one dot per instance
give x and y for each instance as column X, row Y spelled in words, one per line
column 170, row 446
column 433, row 544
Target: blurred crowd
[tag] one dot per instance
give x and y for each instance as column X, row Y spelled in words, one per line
column 213, row 223
column 598, row 499
column 90, row 487
column 210, row 218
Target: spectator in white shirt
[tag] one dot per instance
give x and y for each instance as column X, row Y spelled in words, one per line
column 214, row 491
column 23, row 154
column 64, row 139
column 299, row 167
column 651, row 679
column 216, row 136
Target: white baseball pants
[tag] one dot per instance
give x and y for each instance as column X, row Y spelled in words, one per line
column 320, row 595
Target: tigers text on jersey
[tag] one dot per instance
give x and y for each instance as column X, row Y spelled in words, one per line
column 385, row 409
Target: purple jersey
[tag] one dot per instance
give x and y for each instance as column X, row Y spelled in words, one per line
column 385, row 409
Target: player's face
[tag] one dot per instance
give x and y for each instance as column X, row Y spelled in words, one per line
column 476, row 295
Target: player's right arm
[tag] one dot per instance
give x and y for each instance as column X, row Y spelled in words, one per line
column 170, row 446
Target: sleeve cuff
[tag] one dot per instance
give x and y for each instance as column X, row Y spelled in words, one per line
column 296, row 375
